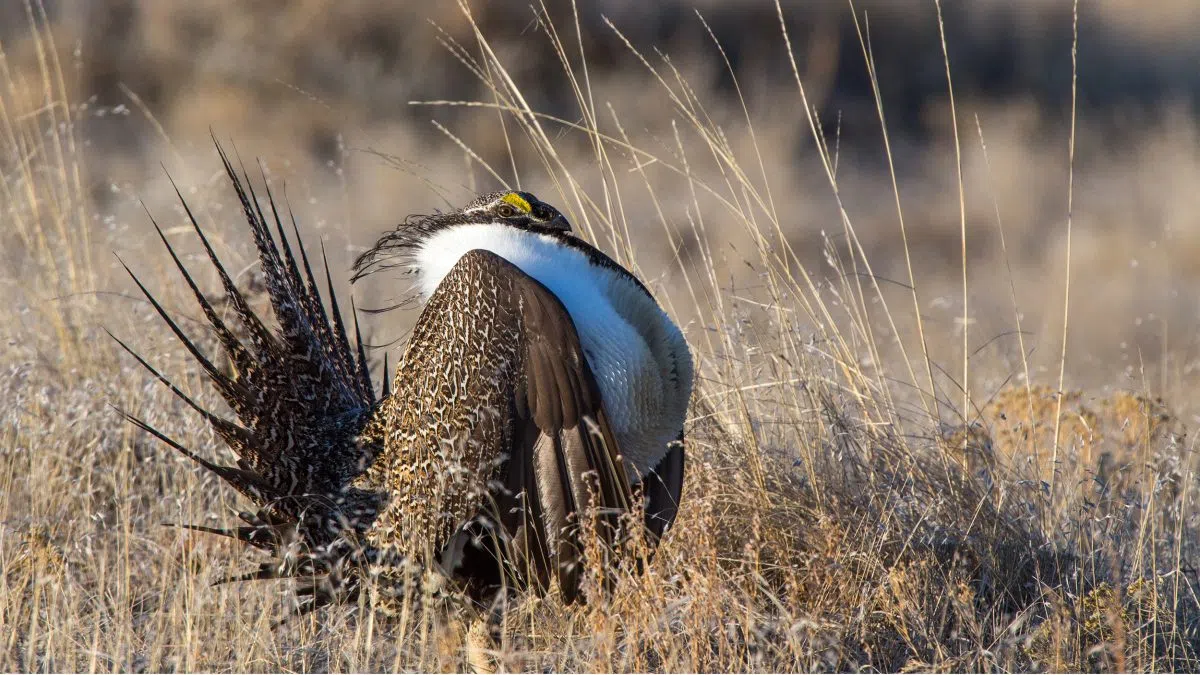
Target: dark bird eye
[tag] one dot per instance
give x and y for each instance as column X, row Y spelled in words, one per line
column 506, row 211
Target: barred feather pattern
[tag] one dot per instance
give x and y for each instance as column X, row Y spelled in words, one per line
column 445, row 433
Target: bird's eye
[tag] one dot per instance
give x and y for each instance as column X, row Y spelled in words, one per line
column 506, row 211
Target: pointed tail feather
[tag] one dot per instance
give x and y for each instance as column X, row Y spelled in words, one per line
column 302, row 398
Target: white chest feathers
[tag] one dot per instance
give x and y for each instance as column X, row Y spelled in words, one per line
column 637, row 354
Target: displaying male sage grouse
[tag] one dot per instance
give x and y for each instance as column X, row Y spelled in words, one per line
column 542, row 393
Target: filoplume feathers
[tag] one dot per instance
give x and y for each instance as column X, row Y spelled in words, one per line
column 542, row 386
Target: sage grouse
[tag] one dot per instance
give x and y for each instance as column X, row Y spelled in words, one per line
column 542, row 390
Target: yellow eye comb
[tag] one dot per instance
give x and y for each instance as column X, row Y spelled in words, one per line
column 517, row 201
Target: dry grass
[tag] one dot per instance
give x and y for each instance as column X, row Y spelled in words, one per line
column 849, row 505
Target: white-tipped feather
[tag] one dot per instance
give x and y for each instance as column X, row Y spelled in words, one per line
column 636, row 352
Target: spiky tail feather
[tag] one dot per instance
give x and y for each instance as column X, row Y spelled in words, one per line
column 303, row 401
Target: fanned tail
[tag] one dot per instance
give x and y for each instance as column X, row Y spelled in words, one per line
column 302, row 397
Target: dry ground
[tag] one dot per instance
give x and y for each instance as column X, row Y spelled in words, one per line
column 895, row 463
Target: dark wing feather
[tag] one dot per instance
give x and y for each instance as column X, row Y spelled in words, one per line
column 662, row 490
column 574, row 452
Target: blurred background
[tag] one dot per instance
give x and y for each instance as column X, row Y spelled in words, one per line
column 334, row 98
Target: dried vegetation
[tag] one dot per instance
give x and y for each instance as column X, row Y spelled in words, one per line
column 848, row 506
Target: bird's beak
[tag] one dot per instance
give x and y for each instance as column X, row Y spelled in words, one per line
column 560, row 222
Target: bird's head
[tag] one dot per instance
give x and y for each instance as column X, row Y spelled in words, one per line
column 521, row 210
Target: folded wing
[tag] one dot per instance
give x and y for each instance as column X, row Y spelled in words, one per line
column 495, row 356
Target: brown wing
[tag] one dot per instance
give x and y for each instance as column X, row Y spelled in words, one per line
column 527, row 404
column 564, row 437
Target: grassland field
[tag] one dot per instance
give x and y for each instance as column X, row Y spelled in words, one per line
column 938, row 264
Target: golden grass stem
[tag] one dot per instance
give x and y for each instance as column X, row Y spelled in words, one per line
column 1062, row 360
